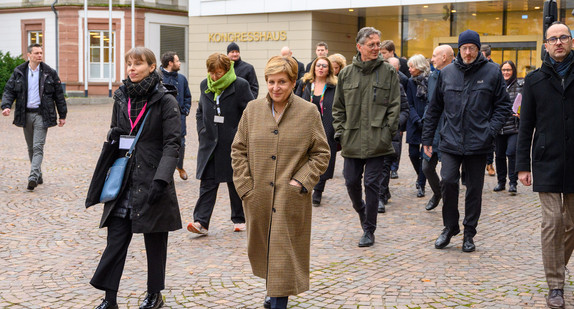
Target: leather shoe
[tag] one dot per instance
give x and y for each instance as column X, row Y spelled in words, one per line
column 394, row 175
column 512, row 188
column 490, row 170
column 152, row 301
column 468, row 244
column 381, row 208
column 433, row 202
column 267, row 302
column 317, row 198
column 182, row 173
column 40, row 180
column 33, row 183
column 367, row 240
column 421, row 191
column 499, row 187
column 444, row 238
column 106, row 305
column 555, row 299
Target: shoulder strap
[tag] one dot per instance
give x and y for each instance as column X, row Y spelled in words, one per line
column 129, row 153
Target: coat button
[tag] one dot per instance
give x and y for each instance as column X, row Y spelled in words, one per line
column 273, row 157
column 275, row 132
column 271, row 183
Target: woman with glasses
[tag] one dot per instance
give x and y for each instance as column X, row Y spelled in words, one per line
column 507, row 136
column 318, row 87
column 417, row 88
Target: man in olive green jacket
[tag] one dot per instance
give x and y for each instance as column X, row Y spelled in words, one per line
column 366, row 117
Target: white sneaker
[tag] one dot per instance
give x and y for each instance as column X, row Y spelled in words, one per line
column 195, row 227
column 238, row 227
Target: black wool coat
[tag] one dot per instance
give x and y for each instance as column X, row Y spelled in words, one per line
column 547, row 112
column 154, row 158
column 51, row 95
column 215, row 138
column 247, row 72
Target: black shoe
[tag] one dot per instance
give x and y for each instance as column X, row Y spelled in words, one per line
column 499, row 187
column 32, row 184
column 267, row 302
column 40, row 180
column 386, row 197
column 381, row 208
column 421, row 191
column 394, row 175
column 444, row 239
column 317, row 198
column 152, row 301
column 106, row 305
column 555, row 299
column 367, row 240
column 468, row 244
column 512, row 188
column 433, row 202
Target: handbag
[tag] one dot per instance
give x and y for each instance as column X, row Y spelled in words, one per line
column 115, row 176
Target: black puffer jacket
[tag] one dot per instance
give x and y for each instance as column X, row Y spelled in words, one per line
column 51, row 95
column 511, row 125
column 475, row 105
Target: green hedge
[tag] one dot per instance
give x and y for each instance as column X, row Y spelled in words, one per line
column 7, row 66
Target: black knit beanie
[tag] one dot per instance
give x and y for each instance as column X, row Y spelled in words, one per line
column 469, row 36
column 232, row 46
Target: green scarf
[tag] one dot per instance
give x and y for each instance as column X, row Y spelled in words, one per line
column 221, row 84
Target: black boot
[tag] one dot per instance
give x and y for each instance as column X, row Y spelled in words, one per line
column 152, row 301
column 499, row 187
column 317, row 197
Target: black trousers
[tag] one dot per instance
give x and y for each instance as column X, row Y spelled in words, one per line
column 506, row 147
column 206, row 202
column 429, row 169
column 386, row 176
column 353, row 173
column 416, row 156
column 182, row 146
column 450, row 174
column 398, row 145
column 109, row 272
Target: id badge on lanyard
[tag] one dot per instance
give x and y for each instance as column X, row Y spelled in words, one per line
column 218, row 118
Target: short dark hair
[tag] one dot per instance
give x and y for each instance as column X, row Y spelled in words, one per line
column 388, row 45
column 486, row 49
column 167, row 57
column 557, row 23
column 322, row 44
column 32, row 46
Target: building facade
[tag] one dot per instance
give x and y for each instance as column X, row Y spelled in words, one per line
column 161, row 25
column 261, row 28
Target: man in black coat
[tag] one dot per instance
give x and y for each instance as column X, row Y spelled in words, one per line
column 243, row 69
column 472, row 94
column 38, row 92
column 546, row 113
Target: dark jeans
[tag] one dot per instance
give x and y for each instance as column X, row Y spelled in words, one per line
column 416, row 154
column 429, row 169
column 206, row 202
column 386, row 173
column 279, row 302
column 506, row 147
column 109, row 272
column 353, row 173
column 450, row 173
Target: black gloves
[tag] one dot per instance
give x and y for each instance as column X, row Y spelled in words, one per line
column 114, row 134
column 156, row 190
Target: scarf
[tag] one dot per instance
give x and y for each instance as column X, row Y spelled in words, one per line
column 562, row 67
column 221, row 84
column 139, row 92
column 422, row 82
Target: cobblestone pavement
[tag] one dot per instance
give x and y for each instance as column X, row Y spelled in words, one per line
column 50, row 244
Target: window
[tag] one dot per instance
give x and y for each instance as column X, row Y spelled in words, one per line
column 173, row 39
column 35, row 37
column 100, row 44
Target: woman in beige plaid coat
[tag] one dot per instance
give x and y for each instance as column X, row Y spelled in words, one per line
column 278, row 154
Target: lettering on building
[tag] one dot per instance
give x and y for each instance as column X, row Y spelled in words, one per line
column 257, row 36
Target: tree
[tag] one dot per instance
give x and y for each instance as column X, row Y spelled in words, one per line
column 7, row 66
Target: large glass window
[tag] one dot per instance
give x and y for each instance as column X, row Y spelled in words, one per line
column 100, row 44
column 35, row 37
column 422, row 24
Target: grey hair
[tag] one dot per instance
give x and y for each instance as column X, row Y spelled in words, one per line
column 420, row 63
column 365, row 33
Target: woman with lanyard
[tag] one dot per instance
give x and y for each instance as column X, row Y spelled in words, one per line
column 147, row 202
column 318, row 87
column 223, row 98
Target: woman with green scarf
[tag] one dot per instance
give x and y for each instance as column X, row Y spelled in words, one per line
column 223, row 98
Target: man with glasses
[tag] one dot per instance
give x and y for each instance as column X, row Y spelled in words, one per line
column 472, row 94
column 547, row 113
column 365, row 117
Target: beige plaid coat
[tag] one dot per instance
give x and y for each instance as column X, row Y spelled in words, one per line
column 266, row 155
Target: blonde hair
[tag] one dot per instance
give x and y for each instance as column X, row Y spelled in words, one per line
column 278, row 64
column 339, row 59
column 217, row 61
column 310, row 76
column 420, row 63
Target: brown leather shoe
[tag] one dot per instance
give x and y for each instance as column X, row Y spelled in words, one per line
column 490, row 170
column 182, row 173
column 555, row 299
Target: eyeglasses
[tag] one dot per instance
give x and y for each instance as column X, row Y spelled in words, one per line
column 506, row 70
column 471, row 48
column 322, row 65
column 374, row 45
column 563, row 39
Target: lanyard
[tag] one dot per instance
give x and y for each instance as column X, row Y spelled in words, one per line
column 133, row 124
column 217, row 104
column 322, row 96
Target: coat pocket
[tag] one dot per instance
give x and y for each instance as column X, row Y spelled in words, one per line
column 539, row 147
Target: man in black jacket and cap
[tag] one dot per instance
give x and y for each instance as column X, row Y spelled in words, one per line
column 472, row 94
column 242, row 68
